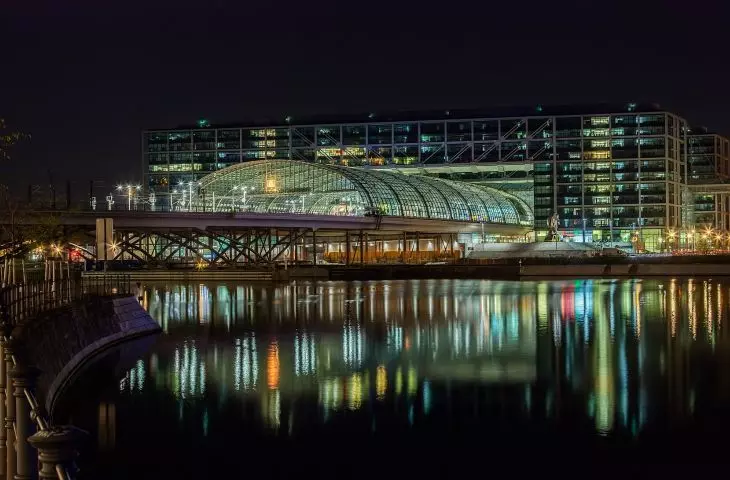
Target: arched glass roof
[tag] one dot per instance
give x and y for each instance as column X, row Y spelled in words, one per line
column 282, row 186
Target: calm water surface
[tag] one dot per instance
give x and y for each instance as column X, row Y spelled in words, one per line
column 428, row 378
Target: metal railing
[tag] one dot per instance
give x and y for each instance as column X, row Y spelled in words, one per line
column 30, row 447
column 36, row 415
column 20, row 302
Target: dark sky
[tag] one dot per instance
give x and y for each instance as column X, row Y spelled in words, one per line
column 84, row 79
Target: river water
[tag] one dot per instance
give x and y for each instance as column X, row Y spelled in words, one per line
column 423, row 377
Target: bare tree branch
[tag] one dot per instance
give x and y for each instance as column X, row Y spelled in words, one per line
column 8, row 139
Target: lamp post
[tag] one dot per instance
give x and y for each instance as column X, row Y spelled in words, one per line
column 131, row 192
column 292, row 205
column 244, row 189
column 670, row 239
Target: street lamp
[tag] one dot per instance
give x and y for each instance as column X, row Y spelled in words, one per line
column 244, row 189
column 131, row 192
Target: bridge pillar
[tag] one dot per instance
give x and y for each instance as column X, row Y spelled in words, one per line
column 347, row 247
column 293, row 245
column 405, row 247
column 24, row 377
column 362, row 248
column 314, row 247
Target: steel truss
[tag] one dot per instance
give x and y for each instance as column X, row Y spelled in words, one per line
column 253, row 246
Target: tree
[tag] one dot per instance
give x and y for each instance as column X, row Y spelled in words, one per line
column 10, row 216
column 8, row 139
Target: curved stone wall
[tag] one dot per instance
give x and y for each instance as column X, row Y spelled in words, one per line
column 59, row 342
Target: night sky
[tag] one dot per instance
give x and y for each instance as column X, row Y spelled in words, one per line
column 85, row 80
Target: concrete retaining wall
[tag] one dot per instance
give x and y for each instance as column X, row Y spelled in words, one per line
column 302, row 273
column 62, row 340
column 188, row 275
column 625, row 270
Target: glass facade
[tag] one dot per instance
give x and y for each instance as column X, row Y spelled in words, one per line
column 708, row 158
column 285, row 186
column 610, row 175
column 708, row 164
column 607, row 171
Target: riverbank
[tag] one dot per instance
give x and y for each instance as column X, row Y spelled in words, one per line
column 61, row 340
column 611, row 268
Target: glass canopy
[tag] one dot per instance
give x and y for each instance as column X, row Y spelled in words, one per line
column 286, row 186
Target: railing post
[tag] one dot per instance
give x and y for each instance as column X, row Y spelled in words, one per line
column 9, row 416
column 24, row 377
column 3, row 399
column 57, row 446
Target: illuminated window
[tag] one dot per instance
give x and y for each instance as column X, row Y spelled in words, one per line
column 599, row 143
column 598, row 155
column 270, row 185
column 600, row 121
column 185, row 167
column 596, row 132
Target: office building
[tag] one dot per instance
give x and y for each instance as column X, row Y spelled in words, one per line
column 612, row 172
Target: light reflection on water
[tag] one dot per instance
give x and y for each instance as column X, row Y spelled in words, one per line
column 297, row 357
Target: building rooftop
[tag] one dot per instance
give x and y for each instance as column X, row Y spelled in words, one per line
column 412, row 116
column 276, row 186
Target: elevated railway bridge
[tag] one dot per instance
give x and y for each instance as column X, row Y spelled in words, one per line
column 250, row 238
column 275, row 211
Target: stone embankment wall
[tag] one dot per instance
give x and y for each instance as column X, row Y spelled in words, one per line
column 60, row 341
column 625, row 270
column 221, row 275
